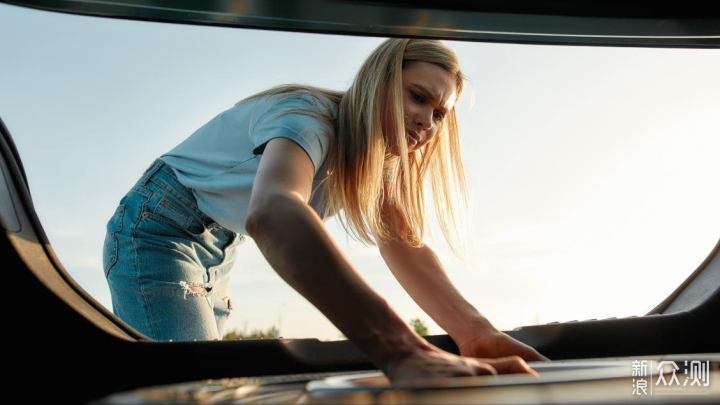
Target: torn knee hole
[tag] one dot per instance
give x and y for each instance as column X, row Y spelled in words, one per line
column 195, row 289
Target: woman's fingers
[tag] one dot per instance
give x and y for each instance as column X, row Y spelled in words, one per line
column 481, row 368
column 542, row 358
column 510, row 365
column 530, row 354
column 436, row 363
column 533, row 355
column 498, row 345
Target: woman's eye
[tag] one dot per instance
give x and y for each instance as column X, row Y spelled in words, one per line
column 419, row 98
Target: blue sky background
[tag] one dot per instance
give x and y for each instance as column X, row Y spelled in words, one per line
column 593, row 170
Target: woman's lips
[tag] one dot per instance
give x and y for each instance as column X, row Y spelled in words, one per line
column 413, row 138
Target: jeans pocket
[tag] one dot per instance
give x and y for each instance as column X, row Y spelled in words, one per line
column 168, row 211
column 110, row 247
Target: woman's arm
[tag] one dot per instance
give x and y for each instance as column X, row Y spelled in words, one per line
column 295, row 242
column 421, row 274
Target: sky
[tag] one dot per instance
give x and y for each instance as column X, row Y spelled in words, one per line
column 592, row 170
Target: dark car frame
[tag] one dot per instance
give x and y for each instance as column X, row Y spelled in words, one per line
column 91, row 353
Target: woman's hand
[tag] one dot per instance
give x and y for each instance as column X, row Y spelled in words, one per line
column 432, row 362
column 484, row 343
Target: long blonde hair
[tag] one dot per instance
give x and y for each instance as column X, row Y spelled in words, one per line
column 361, row 176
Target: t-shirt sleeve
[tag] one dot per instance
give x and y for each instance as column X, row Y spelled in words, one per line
column 312, row 134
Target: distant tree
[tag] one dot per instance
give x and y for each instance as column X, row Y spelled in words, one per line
column 232, row 335
column 419, row 326
column 271, row 332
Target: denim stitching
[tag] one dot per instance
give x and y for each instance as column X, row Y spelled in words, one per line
column 150, row 172
column 212, row 270
column 188, row 201
column 158, row 183
column 183, row 199
column 166, row 221
column 167, row 187
column 190, row 219
column 142, row 191
column 161, row 207
column 137, row 268
column 120, row 210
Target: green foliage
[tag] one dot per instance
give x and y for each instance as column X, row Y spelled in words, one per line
column 419, row 326
column 270, row 333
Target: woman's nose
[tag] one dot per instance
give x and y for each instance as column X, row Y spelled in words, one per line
column 424, row 120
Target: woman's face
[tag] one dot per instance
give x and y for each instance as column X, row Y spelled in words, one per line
column 428, row 94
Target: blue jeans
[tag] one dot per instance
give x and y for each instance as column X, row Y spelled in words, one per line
column 158, row 245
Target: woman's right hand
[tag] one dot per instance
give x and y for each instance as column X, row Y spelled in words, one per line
column 431, row 362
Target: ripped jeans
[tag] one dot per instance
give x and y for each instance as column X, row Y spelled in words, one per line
column 167, row 263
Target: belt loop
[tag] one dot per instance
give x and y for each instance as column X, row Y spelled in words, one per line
column 157, row 164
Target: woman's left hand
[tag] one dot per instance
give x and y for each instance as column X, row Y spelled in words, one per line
column 493, row 344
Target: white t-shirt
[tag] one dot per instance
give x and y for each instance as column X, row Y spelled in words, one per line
column 219, row 161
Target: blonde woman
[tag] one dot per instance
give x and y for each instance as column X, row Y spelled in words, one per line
column 278, row 164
